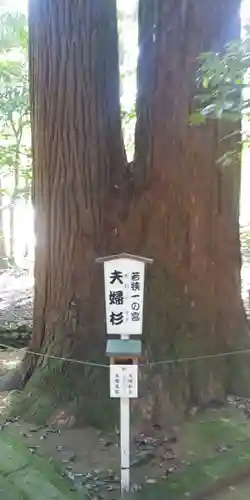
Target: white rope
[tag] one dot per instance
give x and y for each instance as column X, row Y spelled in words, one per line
column 146, row 364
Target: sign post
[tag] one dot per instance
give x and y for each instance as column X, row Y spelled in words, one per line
column 124, row 385
column 125, row 444
column 124, row 293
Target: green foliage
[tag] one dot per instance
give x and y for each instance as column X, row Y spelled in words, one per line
column 14, row 97
column 13, row 30
column 245, row 246
column 15, row 157
column 223, row 84
column 13, row 87
column 220, row 80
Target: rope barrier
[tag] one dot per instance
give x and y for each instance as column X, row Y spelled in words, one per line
column 196, row 358
column 141, row 365
column 70, row 360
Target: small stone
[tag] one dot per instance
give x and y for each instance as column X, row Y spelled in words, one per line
column 32, row 450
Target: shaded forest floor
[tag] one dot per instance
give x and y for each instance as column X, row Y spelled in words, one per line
column 90, row 459
column 235, row 492
column 172, row 463
column 16, row 298
column 201, row 455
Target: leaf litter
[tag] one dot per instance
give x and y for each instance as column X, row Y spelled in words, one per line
column 93, row 465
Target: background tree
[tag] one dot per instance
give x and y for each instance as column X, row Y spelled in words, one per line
column 173, row 204
column 14, row 114
column 3, row 251
column 13, row 30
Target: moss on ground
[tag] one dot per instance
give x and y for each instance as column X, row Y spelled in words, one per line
column 24, row 476
column 210, row 428
column 201, row 478
column 218, row 445
column 216, row 451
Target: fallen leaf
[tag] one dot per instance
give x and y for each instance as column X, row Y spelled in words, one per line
column 151, row 481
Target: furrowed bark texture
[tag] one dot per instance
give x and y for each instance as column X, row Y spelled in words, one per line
column 178, row 207
column 190, row 224
column 78, row 159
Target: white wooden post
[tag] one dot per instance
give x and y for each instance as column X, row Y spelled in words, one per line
column 125, row 445
column 124, row 294
column 124, row 385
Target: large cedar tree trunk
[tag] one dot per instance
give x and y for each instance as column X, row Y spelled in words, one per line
column 173, row 204
column 78, row 158
column 191, row 206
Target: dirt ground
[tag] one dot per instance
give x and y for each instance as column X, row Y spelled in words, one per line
column 16, row 298
column 90, row 459
column 238, row 492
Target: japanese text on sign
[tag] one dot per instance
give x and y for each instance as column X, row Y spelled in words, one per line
column 124, row 285
column 123, row 381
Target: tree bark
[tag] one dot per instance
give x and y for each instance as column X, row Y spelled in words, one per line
column 79, row 159
column 18, row 136
column 3, row 253
column 175, row 204
column 28, row 207
column 12, row 231
column 190, row 219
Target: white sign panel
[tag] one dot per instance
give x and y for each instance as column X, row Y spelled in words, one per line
column 123, row 381
column 124, row 287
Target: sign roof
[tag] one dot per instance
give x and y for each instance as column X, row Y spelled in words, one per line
column 101, row 260
column 125, row 347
